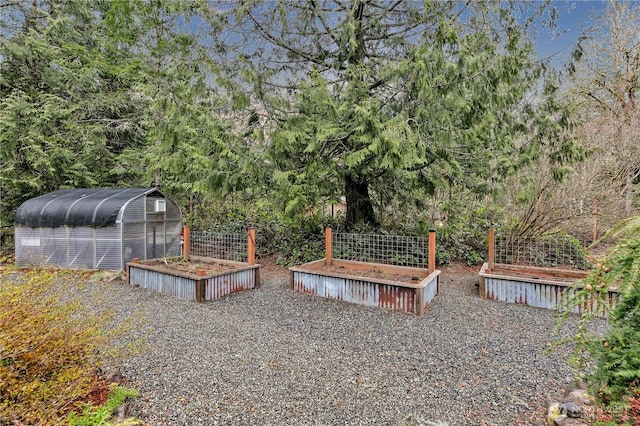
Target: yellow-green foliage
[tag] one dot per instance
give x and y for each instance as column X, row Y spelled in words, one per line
column 48, row 347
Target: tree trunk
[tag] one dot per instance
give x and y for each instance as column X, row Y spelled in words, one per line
column 359, row 205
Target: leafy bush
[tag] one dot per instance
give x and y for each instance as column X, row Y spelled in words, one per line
column 463, row 236
column 554, row 249
column 298, row 239
column 294, row 240
column 6, row 239
column 49, row 347
column 304, row 241
column 616, row 378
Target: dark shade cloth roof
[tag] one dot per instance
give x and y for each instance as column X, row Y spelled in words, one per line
column 94, row 207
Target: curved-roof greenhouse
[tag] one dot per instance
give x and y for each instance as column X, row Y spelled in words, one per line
column 93, row 207
column 96, row 228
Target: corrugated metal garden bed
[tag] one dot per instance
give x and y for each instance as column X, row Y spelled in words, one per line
column 540, row 272
column 386, row 286
column 541, row 287
column 199, row 279
column 385, row 271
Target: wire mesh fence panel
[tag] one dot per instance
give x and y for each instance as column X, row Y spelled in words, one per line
column 227, row 246
column 552, row 251
column 385, row 249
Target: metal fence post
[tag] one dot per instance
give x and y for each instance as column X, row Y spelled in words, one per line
column 327, row 245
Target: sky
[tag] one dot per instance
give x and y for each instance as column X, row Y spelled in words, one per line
column 573, row 16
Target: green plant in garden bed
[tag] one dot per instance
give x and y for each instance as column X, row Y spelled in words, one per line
column 99, row 416
column 615, row 358
column 50, row 346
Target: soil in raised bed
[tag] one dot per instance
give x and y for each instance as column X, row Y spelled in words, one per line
column 533, row 274
column 192, row 266
column 372, row 273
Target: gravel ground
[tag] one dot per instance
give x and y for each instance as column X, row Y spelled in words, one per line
column 273, row 357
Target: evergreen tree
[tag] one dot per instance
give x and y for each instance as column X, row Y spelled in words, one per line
column 67, row 108
column 188, row 149
column 110, row 93
column 434, row 94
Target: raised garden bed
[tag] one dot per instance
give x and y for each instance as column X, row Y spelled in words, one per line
column 385, row 286
column 198, row 279
column 534, row 286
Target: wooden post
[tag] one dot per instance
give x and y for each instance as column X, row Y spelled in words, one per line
column 201, row 285
column 420, row 301
column 256, row 277
column 328, row 260
column 432, row 250
column 492, row 242
column 251, row 247
column 186, row 242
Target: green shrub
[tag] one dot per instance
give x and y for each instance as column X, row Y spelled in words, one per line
column 618, row 354
column 298, row 239
column 49, row 347
column 294, row 240
column 614, row 376
column 462, row 237
column 303, row 241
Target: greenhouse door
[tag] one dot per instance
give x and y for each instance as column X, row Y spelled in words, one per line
column 155, row 240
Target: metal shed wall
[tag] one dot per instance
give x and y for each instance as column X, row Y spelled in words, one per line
column 139, row 230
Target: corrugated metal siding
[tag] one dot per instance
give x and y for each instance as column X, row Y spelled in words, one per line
column 540, row 295
column 398, row 298
column 363, row 292
column 360, row 292
column 513, row 291
column 431, row 291
column 223, row 285
column 180, row 287
column 185, row 288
